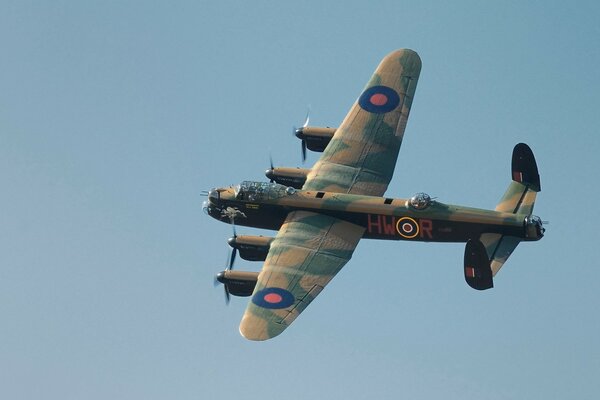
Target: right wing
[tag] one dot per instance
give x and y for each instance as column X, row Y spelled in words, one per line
column 307, row 252
column 361, row 156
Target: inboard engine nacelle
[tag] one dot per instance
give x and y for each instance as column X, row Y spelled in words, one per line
column 251, row 248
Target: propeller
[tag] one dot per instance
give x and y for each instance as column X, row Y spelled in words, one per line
column 220, row 277
column 234, row 251
column 219, row 280
column 269, row 172
column 298, row 132
column 233, row 255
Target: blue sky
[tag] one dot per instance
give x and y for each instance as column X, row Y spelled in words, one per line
column 114, row 116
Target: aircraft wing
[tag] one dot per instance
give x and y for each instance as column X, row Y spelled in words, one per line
column 307, row 252
column 310, row 248
column 361, row 156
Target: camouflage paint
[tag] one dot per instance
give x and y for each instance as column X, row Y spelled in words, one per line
column 320, row 226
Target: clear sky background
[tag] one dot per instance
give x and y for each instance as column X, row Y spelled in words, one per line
column 114, row 116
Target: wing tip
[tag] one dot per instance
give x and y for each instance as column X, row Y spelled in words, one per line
column 407, row 55
column 252, row 337
column 257, row 329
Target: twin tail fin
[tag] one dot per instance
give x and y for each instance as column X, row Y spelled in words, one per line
column 485, row 256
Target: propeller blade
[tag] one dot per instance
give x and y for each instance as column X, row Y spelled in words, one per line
column 219, row 280
column 227, row 296
column 232, row 258
column 307, row 119
column 303, row 151
column 269, row 172
column 297, row 133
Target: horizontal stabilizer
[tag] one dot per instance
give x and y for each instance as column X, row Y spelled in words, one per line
column 478, row 273
column 499, row 248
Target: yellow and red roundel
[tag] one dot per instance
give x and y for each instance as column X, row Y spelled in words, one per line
column 379, row 99
column 273, row 297
column 407, row 227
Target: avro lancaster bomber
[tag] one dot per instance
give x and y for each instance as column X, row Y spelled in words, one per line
column 321, row 213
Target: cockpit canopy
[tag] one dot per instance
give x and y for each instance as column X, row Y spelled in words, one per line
column 256, row 191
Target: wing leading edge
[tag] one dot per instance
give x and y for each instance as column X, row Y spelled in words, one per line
column 362, row 154
column 306, row 254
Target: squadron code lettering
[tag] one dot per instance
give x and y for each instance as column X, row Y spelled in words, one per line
column 406, row 227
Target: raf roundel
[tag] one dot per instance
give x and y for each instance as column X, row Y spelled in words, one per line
column 273, row 297
column 407, row 227
column 379, row 99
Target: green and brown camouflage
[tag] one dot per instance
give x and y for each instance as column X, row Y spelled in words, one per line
column 340, row 202
column 308, row 252
column 362, row 154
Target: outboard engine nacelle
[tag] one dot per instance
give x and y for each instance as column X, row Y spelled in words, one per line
column 294, row 177
column 316, row 138
column 238, row 283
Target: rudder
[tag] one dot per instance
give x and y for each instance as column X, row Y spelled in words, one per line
column 521, row 193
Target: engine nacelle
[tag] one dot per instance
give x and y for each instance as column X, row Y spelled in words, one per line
column 251, row 248
column 238, row 283
column 294, row 177
column 316, row 138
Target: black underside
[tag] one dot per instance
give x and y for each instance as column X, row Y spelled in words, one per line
column 377, row 226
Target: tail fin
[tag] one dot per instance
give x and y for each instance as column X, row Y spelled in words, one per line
column 518, row 199
column 520, row 195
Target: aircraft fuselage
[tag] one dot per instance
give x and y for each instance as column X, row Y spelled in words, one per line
column 382, row 218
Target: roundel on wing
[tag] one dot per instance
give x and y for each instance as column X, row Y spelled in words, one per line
column 379, row 99
column 273, row 297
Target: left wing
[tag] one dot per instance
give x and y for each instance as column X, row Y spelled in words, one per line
column 307, row 252
column 361, row 156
